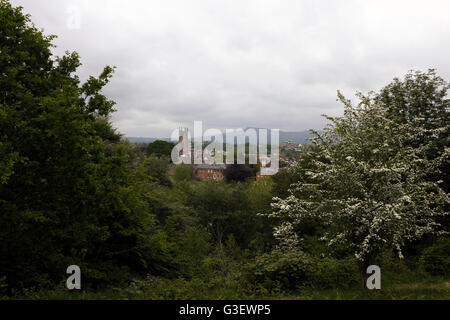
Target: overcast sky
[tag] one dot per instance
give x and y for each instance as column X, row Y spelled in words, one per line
column 229, row 63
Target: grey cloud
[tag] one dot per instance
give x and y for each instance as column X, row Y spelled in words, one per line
column 262, row 63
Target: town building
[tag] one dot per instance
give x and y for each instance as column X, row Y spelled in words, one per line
column 209, row 172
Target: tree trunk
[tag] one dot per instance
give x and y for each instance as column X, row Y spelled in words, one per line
column 363, row 275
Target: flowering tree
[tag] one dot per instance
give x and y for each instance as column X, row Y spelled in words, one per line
column 365, row 183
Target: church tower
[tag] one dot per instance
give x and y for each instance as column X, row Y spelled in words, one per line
column 183, row 141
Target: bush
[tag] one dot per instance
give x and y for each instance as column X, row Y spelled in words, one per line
column 293, row 269
column 182, row 173
column 160, row 148
column 155, row 288
column 436, row 259
column 335, row 273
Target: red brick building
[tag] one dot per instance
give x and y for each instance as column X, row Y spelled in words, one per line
column 209, row 172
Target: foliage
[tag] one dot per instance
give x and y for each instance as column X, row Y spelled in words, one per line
column 294, row 269
column 366, row 183
column 160, row 148
column 420, row 100
column 260, row 193
column 157, row 169
column 182, row 173
column 293, row 173
column 156, row 288
column 68, row 194
column 223, row 209
column 436, row 258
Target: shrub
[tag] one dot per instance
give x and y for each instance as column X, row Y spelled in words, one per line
column 293, row 269
column 436, row 259
column 335, row 273
column 182, row 173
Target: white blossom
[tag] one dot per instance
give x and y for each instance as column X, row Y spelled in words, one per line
column 379, row 198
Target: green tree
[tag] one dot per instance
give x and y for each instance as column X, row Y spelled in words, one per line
column 68, row 192
column 182, row 173
column 366, row 184
column 223, row 209
column 421, row 99
column 160, row 148
column 290, row 174
column 158, row 169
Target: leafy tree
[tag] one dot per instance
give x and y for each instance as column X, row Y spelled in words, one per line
column 260, row 194
column 160, row 148
column 366, row 184
column 68, row 192
column 421, row 99
column 436, row 259
column 290, row 174
column 182, row 173
column 158, row 169
column 223, row 210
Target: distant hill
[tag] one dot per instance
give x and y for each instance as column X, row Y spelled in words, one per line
column 297, row 137
column 143, row 140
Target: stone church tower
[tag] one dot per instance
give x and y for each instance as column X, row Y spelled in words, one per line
column 183, row 141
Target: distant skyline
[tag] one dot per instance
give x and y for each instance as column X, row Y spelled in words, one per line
column 298, row 137
column 239, row 64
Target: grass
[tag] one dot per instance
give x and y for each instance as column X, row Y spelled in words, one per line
column 414, row 291
column 394, row 287
column 398, row 282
